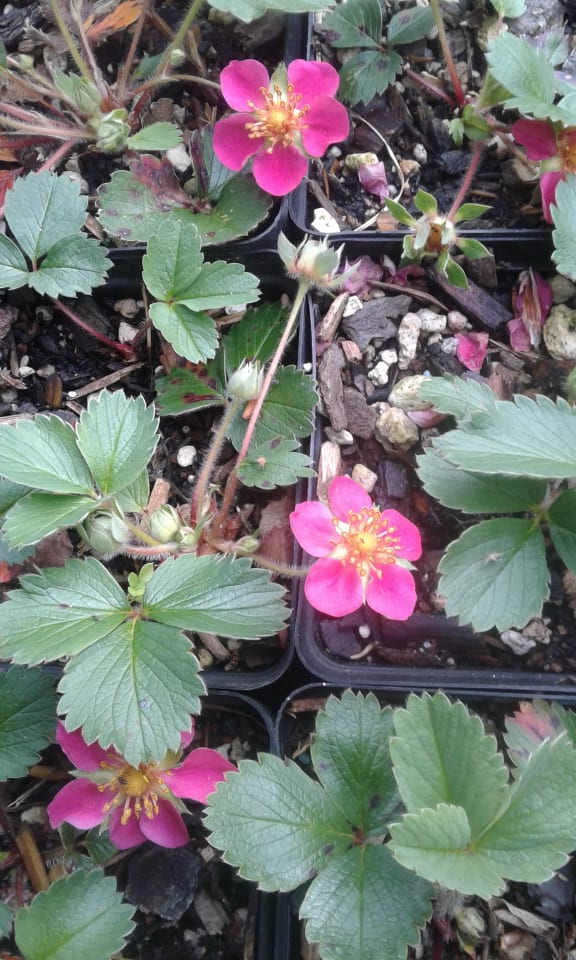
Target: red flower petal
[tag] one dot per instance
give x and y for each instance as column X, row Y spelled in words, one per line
column 537, row 137
column 471, row 349
column 548, row 183
column 198, row 775
column 333, row 587
column 231, row 142
column 84, row 756
column 167, row 828
column 408, row 532
column 373, row 178
column 518, row 335
column 125, row 835
column 325, row 122
column 312, row 79
column 80, row 803
column 311, row 524
column 394, row 594
column 366, row 270
column 279, row 171
column 241, row 81
column 345, row 495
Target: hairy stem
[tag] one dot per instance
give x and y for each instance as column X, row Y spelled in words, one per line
column 455, row 79
column 232, row 481
column 430, row 86
column 197, row 505
column 178, row 37
column 126, row 67
column 465, row 185
column 73, row 49
column 124, row 349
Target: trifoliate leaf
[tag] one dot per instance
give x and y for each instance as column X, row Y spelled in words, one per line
column 354, row 25
column 74, row 265
column 42, row 209
column 442, row 754
column 59, row 611
column 563, row 212
column 364, row 904
column 274, row 464
column 495, row 574
column 78, row 916
column 43, row 453
column 533, row 438
column 274, row 823
column 220, row 595
column 27, row 719
column 117, row 436
column 474, row 493
column 351, row 754
column 136, row 689
column 156, row 136
column 39, row 514
column 525, row 72
column 562, row 520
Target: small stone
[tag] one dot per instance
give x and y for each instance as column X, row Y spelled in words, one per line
column 25, row 371
column 408, row 334
column 329, row 466
column 395, row 428
column 351, row 351
column 449, row 346
column 364, row 477
column 380, row 373
column 537, row 630
column 335, row 152
column 434, row 338
column 562, row 288
column 126, row 332
column 517, row 642
column 408, row 167
column 405, row 394
column 127, row 308
column 46, row 371
column 456, row 321
column 179, row 158
column 342, row 437
column 353, row 305
column 559, row 333
column 331, row 320
column 323, row 222
column 364, row 631
column 211, row 913
column 186, row 456
column 431, row 322
column 355, row 160
column 420, row 153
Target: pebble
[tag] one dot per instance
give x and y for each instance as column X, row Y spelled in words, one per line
column 395, row 427
column 179, row 158
column 353, row 305
column 364, row 631
column 408, row 167
column 449, row 346
column 355, row 160
column 364, row 477
column 408, row 334
column 559, row 333
column 432, row 322
column 323, row 222
column 186, row 456
column 456, row 321
column 420, row 153
column 126, row 332
column 342, row 437
column 562, row 288
column 127, row 308
column 405, row 393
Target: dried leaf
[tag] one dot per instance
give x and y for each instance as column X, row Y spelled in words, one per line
column 123, row 16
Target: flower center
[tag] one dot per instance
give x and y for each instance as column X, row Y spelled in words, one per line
column 136, row 789
column 567, row 151
column 279, row 118
column 367, row 541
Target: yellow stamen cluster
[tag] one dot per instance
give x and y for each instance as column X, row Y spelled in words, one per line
column 567, row 151
column 136, row 789
column 366, row 542
column 279, row 118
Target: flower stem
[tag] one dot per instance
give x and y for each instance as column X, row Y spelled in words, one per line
column 465, row 185
column 125, row 349
column 232, row 481
column 196, row 507
column 458, row 91
column 127, row 65
column 178, row 36
column 73, row 49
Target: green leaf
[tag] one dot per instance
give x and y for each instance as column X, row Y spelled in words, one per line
column 441, row 754
column 469, row 211
column 364, row 904
column 495, row 574
column 74, row 265
column 14, row 272
column 59, row 611
column 354, row 25
column 399, row 213
column 221, row 595
column 474, row 493
column 156, row 136
column 453, row 273
column 11, row 555
column 42, row 209
column 287, row 411
column 274, row 464
column 173, row 261
column 368, row 74
column 534, row 438
column 134, row 497
column 563, row 212
column 117, row 436
column 193, row 335
column 525, row 72
column 248, row 10
column 78, row 916
column 210, row 174
column 135, row 689
column 274, row 823
column 562, row 521
column 509, row 8
column 255, row 336
column 351, row 755
column 181, row 391
column 6, row 919
column 472, row 249
column 410, row 25
column 459, row 397
column 27, row 719
column 10, row 493
column 43, row 453
column 426, row 203
column 39, row 514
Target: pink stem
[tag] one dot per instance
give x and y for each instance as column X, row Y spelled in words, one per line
column 465, row 185
column 125, row 349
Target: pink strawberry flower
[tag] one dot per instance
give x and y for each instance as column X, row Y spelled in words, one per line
column 361, row 550
column 282, row 120
column 556, row 148
column 138, row 803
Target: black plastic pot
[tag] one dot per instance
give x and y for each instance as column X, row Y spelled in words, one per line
column 288, row 925
column 317, row 636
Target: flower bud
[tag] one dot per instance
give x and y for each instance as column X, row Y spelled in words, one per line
column 164, row 524
column 25, row 62
column 313, row 262
column 105, row 533
column 245, row 382
column 112, row 131
column 177, row 57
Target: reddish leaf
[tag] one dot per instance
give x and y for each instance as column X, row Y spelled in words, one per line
column 7, row 178
column 159, row 177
